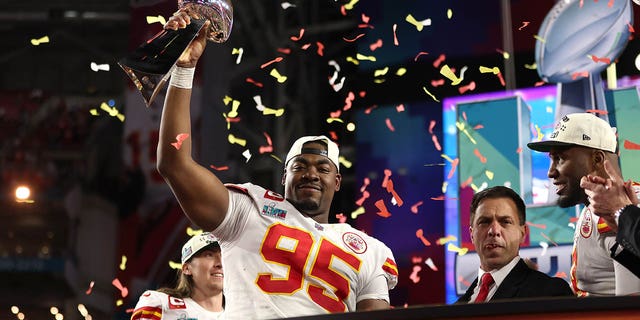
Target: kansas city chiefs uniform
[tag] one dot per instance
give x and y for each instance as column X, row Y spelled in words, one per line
column 279, row 263
column 154, row 305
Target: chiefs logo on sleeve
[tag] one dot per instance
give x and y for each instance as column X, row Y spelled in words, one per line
column 176, row 303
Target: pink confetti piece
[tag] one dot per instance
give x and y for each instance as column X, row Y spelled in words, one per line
column 341, row 218
column 284, row 50
column 320, row 50
column 546, row 237
column 477, row 153
column 436, row 143
column 437, row 83
column 630, row 27
column 306, row 46
column 400, row 108
column 368, row 110
column 604, row 60
column 414, row 208
column 432, row 124
column 463, row 281
column 393, row 192
column 395, row 37
column 420, row 235
column 438, row 61
column 421, row 53
column 540, row 226
column 335, row 114
column 577, row 75
column 374, row 46
column 223, row 168
column 365, row 18
column 414, row 274
column 467, row 182
column 88, row 292
column 354, row 39
column 524, row 24
column 123, row 290
column 385, row 180
column 628, row 145
column 294, row 38
column 362, row 94
column 470, row 87
column 348, row 101
column 561, row 274
column 266, row 64
column 179, row 139
column 539, row 83
column 454, row 165
column 255, row 83
column 383, row 209
column 387, row 121
column 499, row 75
column 364, row 197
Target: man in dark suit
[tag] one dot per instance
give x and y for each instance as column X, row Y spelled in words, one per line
column 497, row 230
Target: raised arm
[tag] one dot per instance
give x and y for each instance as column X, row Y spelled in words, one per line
column 202, row 196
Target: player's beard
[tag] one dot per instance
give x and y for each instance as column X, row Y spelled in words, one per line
column 573, row 197
column 306, row 205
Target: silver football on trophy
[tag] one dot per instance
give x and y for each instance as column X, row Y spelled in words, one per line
column 219, row 12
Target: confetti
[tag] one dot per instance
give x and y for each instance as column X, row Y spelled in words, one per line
column 287, row 5
column 431, row 265
column 477, row 153
column 420, row 235
column 354, row 39
column 239, row 52
column 414, row 274
column 175, row 265
column 437, row 83
column 364, row 197
column 223, row 168
column 628, row 145
column 544, row 246
column 383, row 209
column 595, row 59
column 421, row 53
column 123, row 290
column 414, row 208
column 247, row 155
column 524, row 24
column 395, row 195
column 352, row 60
column 153, row 19
column 179, row 139
column 470, row 87
column 257, row 84
column 453, row 248
column 561, row 274
column 489, row 174
column 380, row 72
column 284, row 50
column 123, row 262
column 385, row 180
column 449, row 13
column 88, row 292
column 274, row 73
column 395, row 37
column 446, row 71
column 357, row 212
column 193, row 232
column 266, row 64
column 537, row 37
column 446, row 239
column 99, row 67
column 387, row 121
column 430, row 94
column 547, row 237
column 341, row 218
column 37, row 42
column 348, row 101
column 454, row 165
column 438, row 61
column 494, row 70
column 504, row 54
column 532, row 66
column 539, row 226
column 576, row 75
column 294, row 38
column 363, row 57
column 463, row 281
column 232, row 139
column 320, row 50
column 276, row 112
column 350, row 5
column 400, row 108
column 374, row 46
column 401, row 71
column 418, row 24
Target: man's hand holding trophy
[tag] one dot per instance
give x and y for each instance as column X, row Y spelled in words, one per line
column 150, row 65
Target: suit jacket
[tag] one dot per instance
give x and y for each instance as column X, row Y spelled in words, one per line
column 524, row 282
column 629, row 237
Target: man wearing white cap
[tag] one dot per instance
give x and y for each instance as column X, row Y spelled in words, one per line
column 578, row 147
column 281, row 256
column 198, row 291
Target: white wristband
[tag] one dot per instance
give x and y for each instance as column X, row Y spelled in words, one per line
column 182, row 77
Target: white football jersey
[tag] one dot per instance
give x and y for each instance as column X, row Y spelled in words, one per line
column 154, row 305
column 279, row 263
column 593, row 271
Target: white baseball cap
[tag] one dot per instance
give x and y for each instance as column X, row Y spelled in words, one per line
column 198, row 243
column 332, row 151
column 582, row 129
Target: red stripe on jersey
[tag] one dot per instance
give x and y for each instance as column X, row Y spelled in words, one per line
column 603, row 227
column 147, row 313
column 236, row 187
column 390, row 267
column 574, row 280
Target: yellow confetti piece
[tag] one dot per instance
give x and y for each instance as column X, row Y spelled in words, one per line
column 418, row 24
column 489, row 174
column 474, row 187
column 444, row 186
column 463, row 129
column 453, row 248
column 532, row 66
column 506, row 55
column 276, row 112
column 353, row 60
column 357, row 212
column 274, row 73
column 37, row 42
column 430, row 94
column 449, row 13
column 239, row 52
column 119, row 302
column 494, row 70
column 539, row 133
column 344, row 162
column 401, row 72
column 175, row 265
column 193, row 232
column 154, row 19
column 446, row 157
column 226, row 100
column 381, row 72
column 123, row 262
column 329, row 120
column 363, row 57
column 446, row 71
column 93, row 112
column 537, row 37
column 350, row 5
column 233, row 139
column 377, row 81
column 276, row 157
